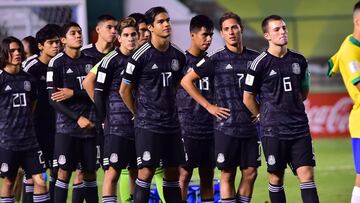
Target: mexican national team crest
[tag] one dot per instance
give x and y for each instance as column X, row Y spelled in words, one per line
column 296, row 68
column 27, row 86
column 271, row 160
column 4, row 167
column 88, row 68
column 62, row 159
column 146, row 156
column 114, row 158
column 220, row 158
column 175, row 65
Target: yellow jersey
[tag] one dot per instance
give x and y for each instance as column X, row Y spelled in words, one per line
column 347, row 62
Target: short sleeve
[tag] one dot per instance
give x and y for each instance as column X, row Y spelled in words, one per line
column 53, row 76
column 132, row 71
column 253, row 77
column 204, row 67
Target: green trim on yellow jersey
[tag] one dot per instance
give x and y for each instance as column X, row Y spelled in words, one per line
column 354, row 41
column 355, row 81
column 330, row 65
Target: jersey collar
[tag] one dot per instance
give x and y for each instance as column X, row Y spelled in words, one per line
column 354, row 41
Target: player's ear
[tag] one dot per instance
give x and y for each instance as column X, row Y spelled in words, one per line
column 267, row 36
column 150, row 27
column 63, row 40
column 40, row 46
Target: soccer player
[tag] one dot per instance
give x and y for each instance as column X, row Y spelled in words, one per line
column 30, row 46
column 153, row 74
column 144, row 33
column 236, row 141
column 280, row 78
column 48, row 42
column 18, row 143
column 196, row 123
column 119, row 147
column 75, row 138
column 346, row 61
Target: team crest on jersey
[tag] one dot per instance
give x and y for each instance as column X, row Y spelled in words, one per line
column 114, row 158
column 248, row 65
column 88, row 67
column 220, row 158
column 62, row 159
column 146, row 156
column 175, row 65
column 4, row 167
column 271, row 160
column 27, row 86
column 296, row 68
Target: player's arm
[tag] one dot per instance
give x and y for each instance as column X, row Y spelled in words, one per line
column 128, row 83
column 188, row 84
column 305, row 85
column 249, row 99
column 251, row 89
column 100, row 87
column 89, row 82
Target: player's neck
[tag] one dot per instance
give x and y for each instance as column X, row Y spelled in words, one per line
column 103, row 47
column 161, row 44
column 72, row 53
column 12, row 69
column 45, row 59
column 238, row 48
column 195, row 51
column 125, row 51
column 278, row 51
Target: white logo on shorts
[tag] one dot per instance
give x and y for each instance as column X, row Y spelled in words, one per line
column 62, row 159
column 220, row 158
column 271, row 160
column 4, row 167
column 146, row 156
column 114, row 158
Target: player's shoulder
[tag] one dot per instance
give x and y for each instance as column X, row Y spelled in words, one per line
column 261, row 58
column 141, row 51
column 29, row 59
column 216, row 53
column 57, row 59
column 297, row 56
column 109, row 58
column 177, row 49
column 87, row 47
column 251, row 52
column 28, row 64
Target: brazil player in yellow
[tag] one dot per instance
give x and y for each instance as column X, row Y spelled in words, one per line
column 347, row 62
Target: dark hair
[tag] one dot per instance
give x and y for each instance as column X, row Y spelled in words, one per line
column 357, row 6
column 65, row 28
column 127, row 22
column 152, row 13
column 104, row 18
column 5, row 50
column 49, row 31
column 265, row 22
column 230, row 15
column 33, row 48
column 139, row 18
column 199, row 21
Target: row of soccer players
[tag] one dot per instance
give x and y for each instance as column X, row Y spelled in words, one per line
column 148, row 80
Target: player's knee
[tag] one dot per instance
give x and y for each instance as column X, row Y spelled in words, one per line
column 305, row 173
column 276, row 178
column 228, row 175
column 8, row 183
column 89, row 175
column 39, row 180
column 63, row 175
column 146, row 174
column 250, row 174
column 185, row 174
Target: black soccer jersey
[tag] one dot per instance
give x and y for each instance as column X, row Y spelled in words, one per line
column 90, row 50
column 17, row 93
column 193, row 117
column 277, row 81
column 228, row 69
column 44, row 113
column 118, row 120
column 64, row 71
column 156, row 76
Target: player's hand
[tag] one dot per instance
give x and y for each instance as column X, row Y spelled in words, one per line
column 85, row 123
column 219, row 112
column 62, row 94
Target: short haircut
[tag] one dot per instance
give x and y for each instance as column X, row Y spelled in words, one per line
column 230, row 15
column 199, row 21
column 356, row 6
column 5, row 50
column 65, row 28
column 139, row 18
column 104, row 18
column 152, row 13
column 33, row 48
column 127, row 22
column 265, row 22
column 49, row 31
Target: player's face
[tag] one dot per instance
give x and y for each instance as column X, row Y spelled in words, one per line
column 231, row 32
column 73, row 38
column 51, row 47
column 144, row 33
column 14, row 54
column 277, row 33
column 161, row 26
column 202, row 38
column 129, row 38
column 107, row 30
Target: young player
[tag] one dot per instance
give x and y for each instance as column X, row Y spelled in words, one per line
column 279, row 77
column 18, row 143
column 196, row 123
column 119, row 148
column 75, row 133
column 48, row 42
column 144, row 33
column 153, row 73
column 346, row 61
column 236, row 141
column 30, row 46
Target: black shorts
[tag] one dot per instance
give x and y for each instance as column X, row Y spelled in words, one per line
column 157, row 149
column 199, row 152
column 278, row 153
column 46, row 138
column 233, row 151
column 71, row 151
column 30, row 160
column 119, row 152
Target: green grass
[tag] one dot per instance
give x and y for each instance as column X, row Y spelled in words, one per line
column 334, row 175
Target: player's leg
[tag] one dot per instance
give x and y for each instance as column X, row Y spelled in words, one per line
column 19, row 186
column 303, row 162
column 206, row 170
column 28, row 189
column 8, row 170
column 186, row 170
column 88, row 163
column 185, row 177
column 109, row 190
column 78, row 194
column 276, row 165
column 250, row 161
